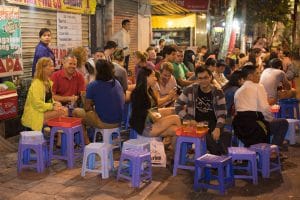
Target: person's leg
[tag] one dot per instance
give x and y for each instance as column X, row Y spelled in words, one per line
column 126, row 62
column 278, row 129
column 167, row 111
column 54, row 113
column 163, row 124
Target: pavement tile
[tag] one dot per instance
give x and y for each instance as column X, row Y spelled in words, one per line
column 7, row 193
column 76, row 193
column 20, row 184
column 47, row 188
column 62, row 179
column 33, row 196
column 91, row 180
column 102, row 196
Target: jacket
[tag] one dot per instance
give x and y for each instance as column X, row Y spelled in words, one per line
column 42, row 50
column 188, row 99
column 35, row 106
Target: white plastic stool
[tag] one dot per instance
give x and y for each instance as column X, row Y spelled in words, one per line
column 31, row 137
column 136, row 144
column 104, row 151
column 149, row 139
column 291, row 133
column 107, row 136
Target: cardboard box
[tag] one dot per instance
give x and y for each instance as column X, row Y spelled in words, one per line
column 8, row 104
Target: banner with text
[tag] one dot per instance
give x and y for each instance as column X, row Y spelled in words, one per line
column 195, row 5
column 10, row 42
column 72, row 6
column 69, row 30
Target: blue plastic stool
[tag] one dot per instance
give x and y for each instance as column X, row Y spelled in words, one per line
column 287, row 108
column 265, row 166
column 138, row 169
column 183, row 143
column 203, row 175
column 291, row 132
column 244, row 154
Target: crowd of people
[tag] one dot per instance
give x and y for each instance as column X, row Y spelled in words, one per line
column 172, row 84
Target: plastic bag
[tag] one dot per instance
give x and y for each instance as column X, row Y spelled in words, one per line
column 158, row 154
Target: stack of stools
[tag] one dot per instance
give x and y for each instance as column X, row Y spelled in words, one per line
column 32, row 140
column 110, row 136
column 138, row 169
column 287, row 108
column 183, row 143
column 69, row 126
column 244, row 154
column 203, row 175
column 89, row 164
column 291, row 132
column 265, row 165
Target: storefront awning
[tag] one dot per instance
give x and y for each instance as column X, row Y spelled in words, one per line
column 167, row 8
column 174, row 21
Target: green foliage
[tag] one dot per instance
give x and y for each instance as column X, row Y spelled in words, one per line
column 267, row 11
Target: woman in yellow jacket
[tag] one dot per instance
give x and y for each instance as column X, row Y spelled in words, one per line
column 40, row 106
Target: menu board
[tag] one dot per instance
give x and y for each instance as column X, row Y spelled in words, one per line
column 10, row 42
column 69, row 30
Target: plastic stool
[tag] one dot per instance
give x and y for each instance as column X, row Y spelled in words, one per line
column 182, row 143
column 104, row 151
column 291, row 133
column 265, row 166
column 141, row 166
column 136, row 144
column 67, row 144
column 287, row 108
column 109, row 135
column 203, row 175
column 32, row 140
column 244, row 154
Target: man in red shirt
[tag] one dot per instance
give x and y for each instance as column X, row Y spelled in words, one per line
column 68, row 83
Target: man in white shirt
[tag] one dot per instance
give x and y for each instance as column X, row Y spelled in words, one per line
column 122, row 38
column 254, row 123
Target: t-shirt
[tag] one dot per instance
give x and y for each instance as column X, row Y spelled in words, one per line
column 109, row 102
column 204, row 108
column 180, row 70
column 121, row 75
column 270, row 79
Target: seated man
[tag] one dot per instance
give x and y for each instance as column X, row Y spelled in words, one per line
column 219, row 73
column 67, row 82
column 202, row 101
column 254, row 123
column 181, row 72
column 272, row 78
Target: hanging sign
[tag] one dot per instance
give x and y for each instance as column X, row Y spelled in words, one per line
column 71, row 6
column 195, row 5
column 10, row 42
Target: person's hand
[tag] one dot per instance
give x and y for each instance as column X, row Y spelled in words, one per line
column 216, row 134
column 73, row 99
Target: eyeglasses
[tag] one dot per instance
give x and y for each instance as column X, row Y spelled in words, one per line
column 204, row 78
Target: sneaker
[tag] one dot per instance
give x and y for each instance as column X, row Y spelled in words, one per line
column 283, row 156
column 284, row 147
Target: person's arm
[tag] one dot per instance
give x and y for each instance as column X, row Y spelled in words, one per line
column 89, row 105
column 220, row 109
column 285, row 83
column 65, row 99
column 263, row 103
column 38, row 97
column 184, row 83
column 182, row 102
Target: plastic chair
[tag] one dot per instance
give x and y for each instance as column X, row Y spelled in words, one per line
column 244, row 154
column 291, row 132
column 203, row 175
column 136, row 144
column 265, row 166
column 288, row 108
column 32, row 141
column 138, row 169
column 104, row 151
column 110, row 136
column 182, row 146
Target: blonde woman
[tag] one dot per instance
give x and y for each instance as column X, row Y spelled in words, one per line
column 140, row 61
column 40, row 106
column 81, row 55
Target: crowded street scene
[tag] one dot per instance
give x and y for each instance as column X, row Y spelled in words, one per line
column 149, row 99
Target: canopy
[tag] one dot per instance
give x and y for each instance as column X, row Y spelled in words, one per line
column 174, row 21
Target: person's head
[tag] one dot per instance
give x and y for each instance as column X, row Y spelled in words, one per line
column 70, row 64
column 139, row 57
column 179, row 56
column 210, row 63
column 118, row 55
column 151, row 53
column 110, row 47
column 166, row 71
column 235, row 79
column 204, row 76
column 162, row 43
column 99, row 54
column 44, row 69
column 276, row 63
column 189, row 56
column 203, row 49
column 146, row 78
column 236, row 51
column 105, row 70
column 45, row 36
column 286, row 54
column 250, row 72
column 169, row 53
column 81, row 55
column 126, row 24
column 221, row 65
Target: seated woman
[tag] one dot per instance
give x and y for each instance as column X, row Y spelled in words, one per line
column 104, row 100
column 143, row 100
column 40, row 105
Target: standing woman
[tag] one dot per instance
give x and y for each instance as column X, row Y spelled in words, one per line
column 40, row 106
column 42, row 49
